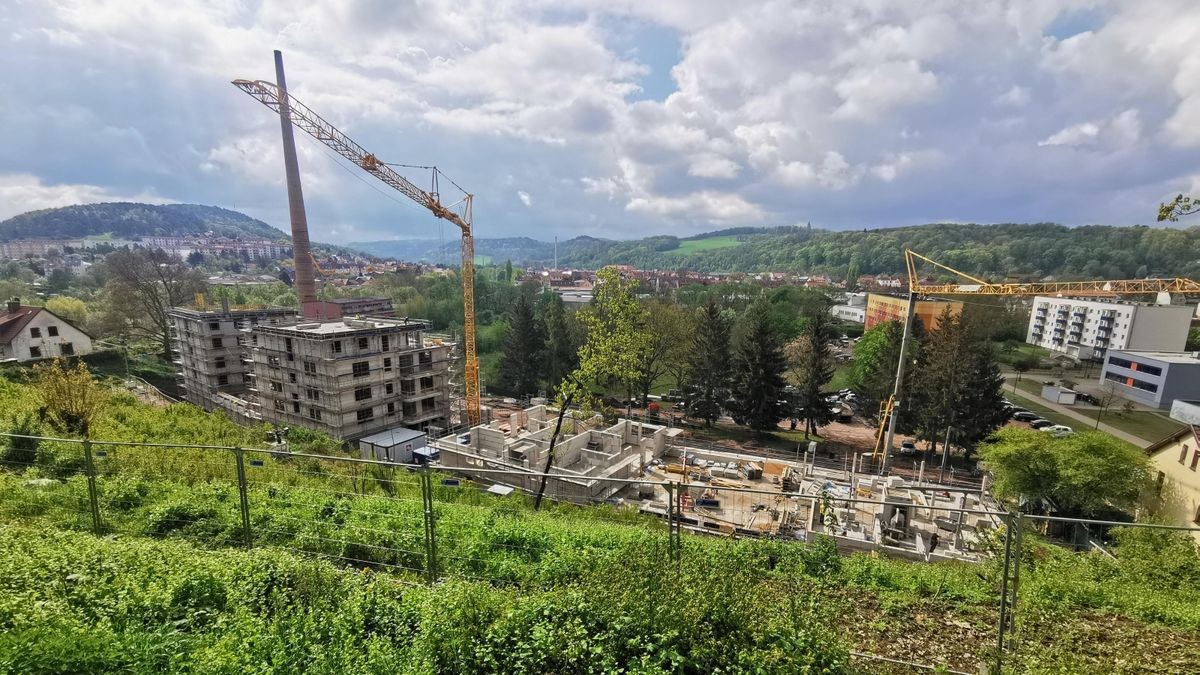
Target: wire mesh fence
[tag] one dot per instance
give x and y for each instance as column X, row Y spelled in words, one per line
column 428, row 523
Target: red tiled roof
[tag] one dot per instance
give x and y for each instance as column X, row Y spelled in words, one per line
column 11, row 323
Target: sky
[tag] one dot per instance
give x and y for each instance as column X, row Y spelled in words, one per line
column 613, row 118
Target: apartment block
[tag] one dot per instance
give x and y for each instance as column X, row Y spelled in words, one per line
column 213, row 354
column 1155, row 379
column 352, row 378
column 330, row 310
column 1087, row 329
column 884, row 308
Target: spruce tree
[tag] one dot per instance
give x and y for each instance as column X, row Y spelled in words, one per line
column 521, row 363
column 562, row 342
column 758, row 367
column 707, row 382
column 812, row 367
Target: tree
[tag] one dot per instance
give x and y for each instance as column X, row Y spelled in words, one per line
column 615, row 337
column 195, row 258
column 668, row 332
column 1193, row 340
column 811, row 365
column 71, row 399
column 707, row 382
column 876, row 355
column 521, row 363
column 508, row 271
column 71, row 309
column 1177, row 208
column 1082, row 474
column 939, row 379
column 1024, row 364
column 562, row 341
column 852, row 272
column 142, row 286
column 758, row 367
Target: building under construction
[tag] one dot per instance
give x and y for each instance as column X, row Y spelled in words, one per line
column 352, row 378
column 213, row 355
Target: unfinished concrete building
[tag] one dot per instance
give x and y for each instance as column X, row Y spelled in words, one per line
column 586, row 453
column 352, row 378
column 213, row 357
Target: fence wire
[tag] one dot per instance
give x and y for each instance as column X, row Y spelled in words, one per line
column 425, row 524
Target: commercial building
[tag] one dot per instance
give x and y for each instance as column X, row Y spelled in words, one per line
column 853, row 308
column 213, row 354
column 1155, row 379
column 1086, row 329
column 352, row 378
column 884, row 308
column 32, row 333
column 1175, row 463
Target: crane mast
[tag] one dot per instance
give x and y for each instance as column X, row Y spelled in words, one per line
column 316, row 126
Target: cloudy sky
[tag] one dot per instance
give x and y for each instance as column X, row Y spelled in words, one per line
column 614, row 118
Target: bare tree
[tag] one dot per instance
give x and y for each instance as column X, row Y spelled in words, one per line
column 142, row 286
column 71, row 399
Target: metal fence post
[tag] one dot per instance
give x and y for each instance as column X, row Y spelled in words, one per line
column 1011, row 522
column 239, row 456
column 93, row 497
column 672, row 517
column 431, row 574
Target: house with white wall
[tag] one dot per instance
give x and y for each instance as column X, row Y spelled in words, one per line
column 32, row 333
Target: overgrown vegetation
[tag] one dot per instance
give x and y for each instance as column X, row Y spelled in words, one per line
column 569, row 589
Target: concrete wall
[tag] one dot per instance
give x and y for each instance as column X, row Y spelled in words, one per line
column 1161, row 328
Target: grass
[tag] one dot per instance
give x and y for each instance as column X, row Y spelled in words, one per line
column 692, row 246
column 1150, row 425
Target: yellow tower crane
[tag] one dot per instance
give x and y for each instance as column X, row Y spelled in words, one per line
column 314, row 125
column 890, row 408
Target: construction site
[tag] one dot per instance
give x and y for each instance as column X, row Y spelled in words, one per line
column 635, row 464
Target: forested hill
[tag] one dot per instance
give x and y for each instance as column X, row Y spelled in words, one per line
column 125, row 220
column 996, row 251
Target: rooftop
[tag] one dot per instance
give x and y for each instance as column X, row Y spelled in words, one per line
column 392, row 437
column 347, row 327
column 232, row 313
column 1166, row 357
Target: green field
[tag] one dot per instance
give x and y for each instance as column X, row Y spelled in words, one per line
column 692, row 246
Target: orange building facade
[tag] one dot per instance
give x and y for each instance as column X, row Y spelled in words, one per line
column 883, row 308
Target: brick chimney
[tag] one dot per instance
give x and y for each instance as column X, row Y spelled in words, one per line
column 14, row 305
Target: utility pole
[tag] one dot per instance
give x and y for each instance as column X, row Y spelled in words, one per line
column 896, row 397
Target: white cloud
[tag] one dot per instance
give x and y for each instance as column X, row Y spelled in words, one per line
column 24, row 192
column 525, row 198
column 941, row 105
column 1121, row 130
column 1016, row 97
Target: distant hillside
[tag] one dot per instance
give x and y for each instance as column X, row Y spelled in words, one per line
column 124, row 220
column 1032, row 250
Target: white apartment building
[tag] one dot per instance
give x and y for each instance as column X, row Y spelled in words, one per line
column 352, row 378
column 1086, row 329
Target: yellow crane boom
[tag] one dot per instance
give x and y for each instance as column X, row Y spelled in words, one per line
column 316, row 126
column 981, row 287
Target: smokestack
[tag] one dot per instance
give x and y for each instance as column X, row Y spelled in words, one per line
column 306, row 285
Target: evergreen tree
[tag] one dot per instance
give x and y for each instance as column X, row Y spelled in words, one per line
column 707, row 383
column 562, row 341
column 812, row 367
column 758, row 367
column 521, row 363
column 508, row 272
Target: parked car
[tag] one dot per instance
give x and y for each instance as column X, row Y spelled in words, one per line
column 1040, row 423
column 1086, row 398
column 1024, row 416
column 908, row 448
column 1059, row 430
